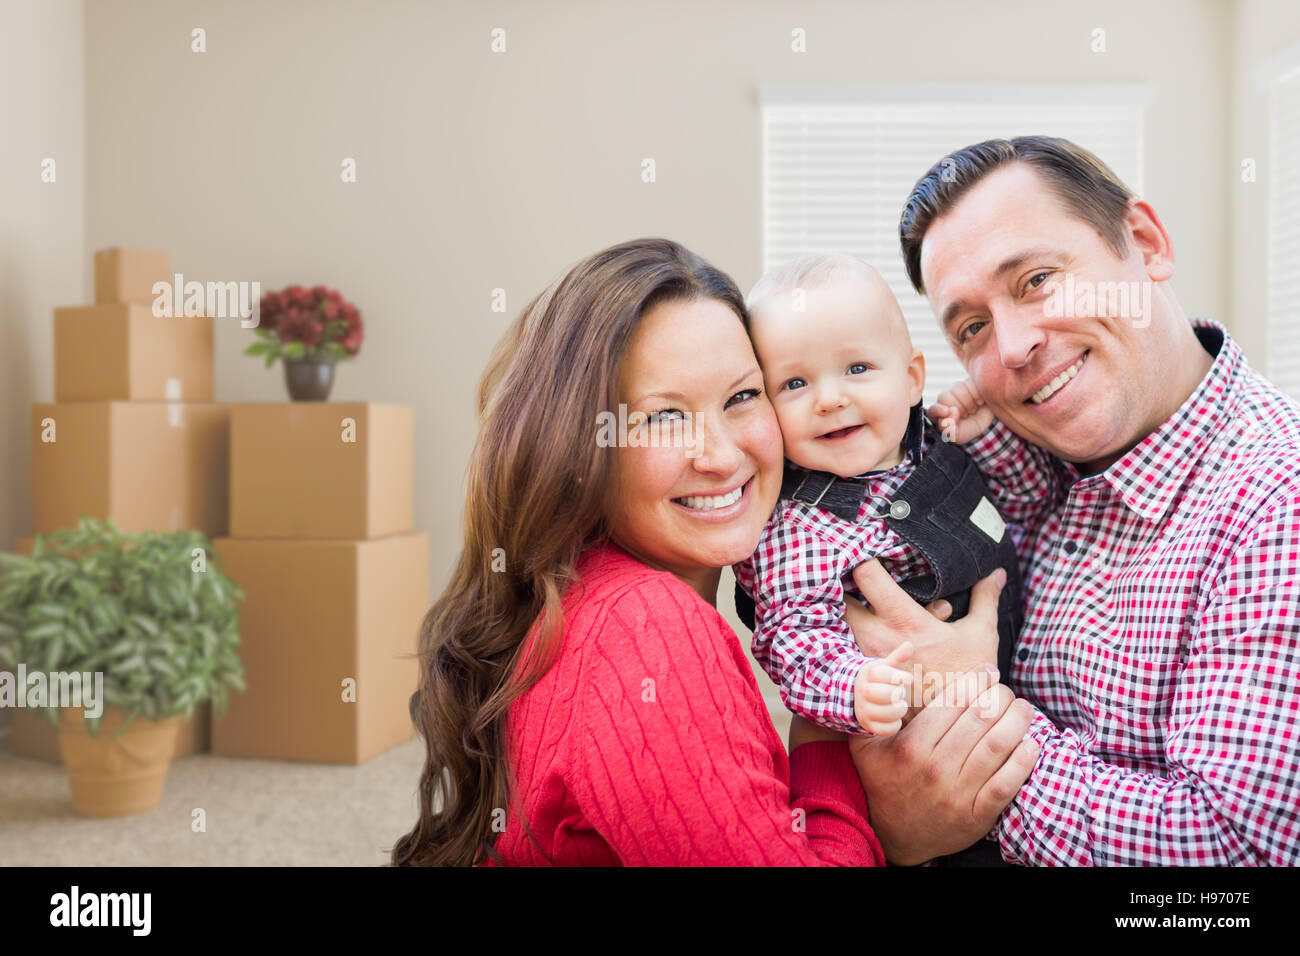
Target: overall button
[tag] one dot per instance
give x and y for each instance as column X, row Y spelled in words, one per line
column 899, row 510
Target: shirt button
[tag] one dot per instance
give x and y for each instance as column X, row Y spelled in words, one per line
column 1071, row 547
column 1023, row 653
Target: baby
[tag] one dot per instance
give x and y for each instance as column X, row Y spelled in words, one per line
column 867, row 476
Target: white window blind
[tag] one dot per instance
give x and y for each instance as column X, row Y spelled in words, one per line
column 1284, row 235
column 840, row 162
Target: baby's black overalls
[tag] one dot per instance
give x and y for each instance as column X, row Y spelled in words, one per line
column 944, row 510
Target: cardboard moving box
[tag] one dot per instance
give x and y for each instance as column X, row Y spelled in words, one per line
column 36, row 737
column 157, row 466
column 329, row 632
column 125, row 352
column 321, row 470
column 128, row 275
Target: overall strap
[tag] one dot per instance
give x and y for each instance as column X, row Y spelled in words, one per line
column 949, row 517
column 821, row 489
column 842, row 497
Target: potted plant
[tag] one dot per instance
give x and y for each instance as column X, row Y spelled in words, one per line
column 311, row 329
column 153, row 614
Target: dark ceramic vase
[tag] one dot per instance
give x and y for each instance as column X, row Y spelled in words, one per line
column 309, row 380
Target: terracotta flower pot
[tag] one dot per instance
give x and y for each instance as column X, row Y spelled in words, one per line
column 114, row 778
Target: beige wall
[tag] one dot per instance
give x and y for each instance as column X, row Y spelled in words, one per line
column 478, row 171
column 41, row 233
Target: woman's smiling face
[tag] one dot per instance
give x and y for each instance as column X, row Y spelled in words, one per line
column 700, row 500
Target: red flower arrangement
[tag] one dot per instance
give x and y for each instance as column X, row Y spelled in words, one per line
column 302, row 323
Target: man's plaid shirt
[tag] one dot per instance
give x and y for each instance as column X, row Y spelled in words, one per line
column 1160, row 637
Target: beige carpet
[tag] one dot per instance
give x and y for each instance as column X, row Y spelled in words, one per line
column 259, row 813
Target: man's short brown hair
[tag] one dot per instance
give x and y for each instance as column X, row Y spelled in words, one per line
column 1087, row 186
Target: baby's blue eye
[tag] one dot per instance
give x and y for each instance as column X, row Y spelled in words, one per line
column 857, row 368
column 793, row 384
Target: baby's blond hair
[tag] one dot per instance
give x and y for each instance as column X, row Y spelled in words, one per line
column 810, row 271
column 820, row 269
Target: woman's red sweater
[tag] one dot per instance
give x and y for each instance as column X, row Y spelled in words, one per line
column 648, row 743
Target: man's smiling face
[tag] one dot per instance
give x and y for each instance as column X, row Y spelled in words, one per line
column 1085, row 387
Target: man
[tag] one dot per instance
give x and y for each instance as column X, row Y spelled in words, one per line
column 1161, row 531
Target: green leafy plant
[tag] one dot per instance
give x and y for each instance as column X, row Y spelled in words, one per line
column 132, row 606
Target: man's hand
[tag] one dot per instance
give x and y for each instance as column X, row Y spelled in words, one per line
column 940, row 783
column 940, row 648
column 961, row 414
column 882, row 691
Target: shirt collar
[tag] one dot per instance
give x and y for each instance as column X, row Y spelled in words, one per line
column 1147, row 478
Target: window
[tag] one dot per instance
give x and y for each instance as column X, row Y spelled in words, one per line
column 839, row 162
column 1284, row 232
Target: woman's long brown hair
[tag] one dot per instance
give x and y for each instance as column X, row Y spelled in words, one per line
column 536, row 490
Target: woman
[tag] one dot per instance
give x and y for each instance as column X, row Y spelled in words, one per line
column 581, row 699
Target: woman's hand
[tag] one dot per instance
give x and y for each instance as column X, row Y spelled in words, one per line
column 940, row 783
column 939, row 648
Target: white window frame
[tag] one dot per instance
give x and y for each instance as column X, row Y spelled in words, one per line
column 1087, row 104
column 1279, row 77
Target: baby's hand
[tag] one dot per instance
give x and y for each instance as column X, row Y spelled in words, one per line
column 882, row 692
column 961, row 413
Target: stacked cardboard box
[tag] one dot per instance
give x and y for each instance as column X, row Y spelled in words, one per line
column 132, row 434
column 336, row 582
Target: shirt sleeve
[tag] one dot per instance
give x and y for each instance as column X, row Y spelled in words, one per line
column 679, row 763
column 800, row 636
column 1230, row 739
column 1020, row 476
